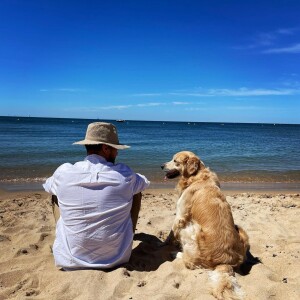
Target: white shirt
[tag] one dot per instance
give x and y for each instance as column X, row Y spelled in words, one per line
column 95, row 198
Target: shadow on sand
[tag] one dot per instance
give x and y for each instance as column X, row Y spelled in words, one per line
column 246, row 267
column 149, row 254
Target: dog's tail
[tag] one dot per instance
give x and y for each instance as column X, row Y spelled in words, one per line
column 224, row 284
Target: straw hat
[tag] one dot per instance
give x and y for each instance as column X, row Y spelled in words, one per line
column 102, row 133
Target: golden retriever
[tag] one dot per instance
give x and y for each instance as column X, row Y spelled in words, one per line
column 204, row 225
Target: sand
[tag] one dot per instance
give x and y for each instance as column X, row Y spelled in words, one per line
column 27, row 268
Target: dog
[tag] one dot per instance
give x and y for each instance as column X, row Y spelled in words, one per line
column 204, row 225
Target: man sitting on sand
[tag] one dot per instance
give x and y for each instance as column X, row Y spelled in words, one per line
column 99, row 202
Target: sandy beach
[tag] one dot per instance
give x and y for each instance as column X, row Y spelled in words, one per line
column 27, row 268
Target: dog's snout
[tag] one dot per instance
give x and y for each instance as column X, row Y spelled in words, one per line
column 162, row 166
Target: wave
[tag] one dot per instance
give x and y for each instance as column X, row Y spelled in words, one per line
column 24, row 180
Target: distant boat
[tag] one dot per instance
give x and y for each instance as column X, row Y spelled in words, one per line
column 120, row 120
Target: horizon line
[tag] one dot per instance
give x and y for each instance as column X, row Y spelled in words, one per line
column 132, row 120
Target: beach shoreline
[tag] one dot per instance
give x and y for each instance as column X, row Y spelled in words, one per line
column 228, row 187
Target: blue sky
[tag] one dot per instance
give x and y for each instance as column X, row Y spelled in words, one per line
column 211, row 61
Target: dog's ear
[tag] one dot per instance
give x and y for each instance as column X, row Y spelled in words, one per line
column 193, row 165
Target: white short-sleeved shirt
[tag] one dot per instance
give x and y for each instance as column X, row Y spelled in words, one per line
column 95, row 198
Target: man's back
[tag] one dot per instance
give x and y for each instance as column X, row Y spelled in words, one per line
column 95, row 199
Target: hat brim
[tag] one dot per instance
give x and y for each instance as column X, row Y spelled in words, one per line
column 90, row 142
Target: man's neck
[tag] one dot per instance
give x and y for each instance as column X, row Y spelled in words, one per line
column 97, row 153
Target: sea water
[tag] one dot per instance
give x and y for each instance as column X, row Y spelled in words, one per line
column 32, row 148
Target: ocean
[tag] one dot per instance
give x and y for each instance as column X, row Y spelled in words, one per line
column 32, row 148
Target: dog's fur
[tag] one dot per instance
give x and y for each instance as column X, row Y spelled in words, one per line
column 204, row 225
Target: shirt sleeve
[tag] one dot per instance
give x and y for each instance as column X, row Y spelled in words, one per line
column 48, row 185
column 52, row 182
column 140, row 184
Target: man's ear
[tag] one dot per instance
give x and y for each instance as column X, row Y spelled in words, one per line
column 193, row 165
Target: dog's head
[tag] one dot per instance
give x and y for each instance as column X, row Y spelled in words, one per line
column 184, row 163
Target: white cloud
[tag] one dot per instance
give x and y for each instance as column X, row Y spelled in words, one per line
column 180, row 103
column 115, row 107
column 260, row 40
column 146, row 95
column 292, row 49
column 241, row 92
column 125, row 106
column 245, row 92
column 264, row 40
column 196, row 109
column 204, row 94
column 287, row 31
column 246, row 107
column 150, row 104
column 70, row 90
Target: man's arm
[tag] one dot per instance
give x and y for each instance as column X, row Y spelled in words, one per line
column 135, row 209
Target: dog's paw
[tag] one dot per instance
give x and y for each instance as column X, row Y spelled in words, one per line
column 181, row 223
column 178, row 224
column 170, row 240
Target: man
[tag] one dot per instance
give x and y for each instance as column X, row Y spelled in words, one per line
column 99, row 202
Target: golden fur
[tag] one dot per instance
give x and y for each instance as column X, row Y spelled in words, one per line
column 204, row 224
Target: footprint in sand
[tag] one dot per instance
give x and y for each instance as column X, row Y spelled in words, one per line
column 4, row 238
column 31, row 292
column 123, row 288
column 16, row 282
column 32, row 248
